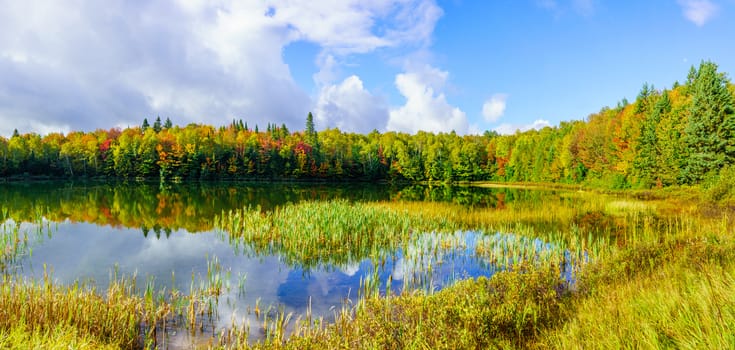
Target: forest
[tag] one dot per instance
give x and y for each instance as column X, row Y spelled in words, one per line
column 679, row 136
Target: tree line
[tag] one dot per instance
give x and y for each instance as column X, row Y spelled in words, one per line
column 681, row 135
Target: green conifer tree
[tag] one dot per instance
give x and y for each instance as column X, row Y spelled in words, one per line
column 710, row 133
column 157, row 124
column 648, row 156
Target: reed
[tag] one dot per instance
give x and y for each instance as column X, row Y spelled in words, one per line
column 679, row 294
column 508, row 310
column 59, row 337
column 593, row 271
column 79, row 315
column 41, row 306
column 337, row 232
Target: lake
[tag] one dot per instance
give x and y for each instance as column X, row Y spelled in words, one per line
column 165, row 236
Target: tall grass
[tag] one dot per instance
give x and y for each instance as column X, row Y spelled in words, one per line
column 338, row 232
column 123, row 315
column 311, row 234
column 508, row 310
column 647, row 274
column 654, row 274
column 41, row 306
column 676, row 294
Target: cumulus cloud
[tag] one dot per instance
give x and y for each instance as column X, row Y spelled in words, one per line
column 494, row 107
column 95, row 64
column 426, row 106
column 350, row 107
column 508, row 129
column 698, row 12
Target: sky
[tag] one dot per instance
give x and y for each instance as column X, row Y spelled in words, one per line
column 357, row 65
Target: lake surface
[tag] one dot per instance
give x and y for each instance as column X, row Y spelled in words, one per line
column 88, row 232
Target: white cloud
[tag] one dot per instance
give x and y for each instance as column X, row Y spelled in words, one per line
column 91, row 64
column 346, row 27
column 350, row 107
column 698, row 12
column 328, row 70
column 507, row 129
column 426, row 106
column 494, row 107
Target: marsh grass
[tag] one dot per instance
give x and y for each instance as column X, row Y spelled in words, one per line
column 49, row 315
column 310, row 234
column 675, row 294
column 41, row 306
column 528, row 289
column 19, row 336
column 13, row 246
column 338, row 232
column 508, row 310
column 647, row 273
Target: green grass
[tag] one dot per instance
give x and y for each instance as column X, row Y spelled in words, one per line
column 337, row 232
column 20, row 336
column 44, row 314
column 650, row 273
column 507, row 310
column 662, row 277
column 79, row 312
column 678, row 294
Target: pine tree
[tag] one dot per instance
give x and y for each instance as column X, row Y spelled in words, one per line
column 157, row 124
column 311, row 136
column 710, row 132
column 647, row 159
column 642, row 102
column 168, row 124
column 145, row 125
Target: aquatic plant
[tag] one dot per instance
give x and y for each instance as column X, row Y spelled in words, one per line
column 337, row 232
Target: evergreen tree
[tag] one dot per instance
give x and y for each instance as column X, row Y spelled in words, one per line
column 642, row 102
column 168, row 124
column 311, row 136
column 710, row 133
column 145, row 125
column 669, row 144
column 647, row 161
column 157, row 124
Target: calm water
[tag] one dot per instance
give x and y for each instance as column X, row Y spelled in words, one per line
column 165, row 234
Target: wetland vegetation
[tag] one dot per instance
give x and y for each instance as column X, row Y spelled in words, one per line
column 549, row 268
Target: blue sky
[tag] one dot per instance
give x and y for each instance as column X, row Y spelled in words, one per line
column 404, row 65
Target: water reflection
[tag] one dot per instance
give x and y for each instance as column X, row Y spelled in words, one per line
column 147, row 231
column 160, row 210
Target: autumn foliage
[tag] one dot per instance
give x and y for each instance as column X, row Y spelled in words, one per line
column 682, row 135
